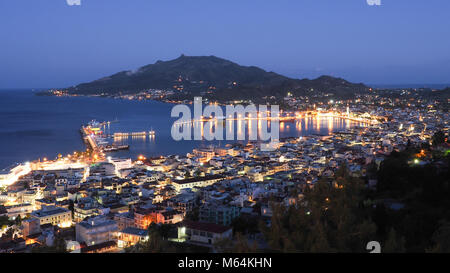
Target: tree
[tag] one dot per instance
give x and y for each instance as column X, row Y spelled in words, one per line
column 318, row 242
column 4, row 221
column 9, row 234
column 187, row 175
column 423, row 191
column 43, row 249
column 331, row 218
column 245, row 225
column 408, row 144
column 18, row 220
column 193, row 215
column 240, row 244
column 224, row 245
column 394, row 244
column 156, row 242
column 72, row 207
column 438, row 138
column 197, row 173
column 60, row 244
column 441, row 239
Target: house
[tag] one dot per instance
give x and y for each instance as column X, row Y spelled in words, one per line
column 183, row 202
column 204, row 154
column 169, row 216
column 110, row 246
column 86, row 207
column 202, row 181
column 56, row 216
column 13, row 246
column 96, row 230
column 131, row 236
column 31, row 226
column 21, row 209
column 218, row 214
column 203, row 233
column 124, row 220
column 143, row 218
column 39, row 203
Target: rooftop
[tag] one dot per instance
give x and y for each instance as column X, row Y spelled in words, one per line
column 49, row 210
column 198, row 179
column 135, row 231
column 96, row 222
column 208, row 227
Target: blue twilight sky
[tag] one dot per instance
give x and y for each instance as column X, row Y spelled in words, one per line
column 47, row 43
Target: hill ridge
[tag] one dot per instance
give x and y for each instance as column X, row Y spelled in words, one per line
column 214, row 76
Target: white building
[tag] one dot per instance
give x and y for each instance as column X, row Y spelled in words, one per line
column 56, row 216
column 203, row 233
column 190, row 183
column 96, row 230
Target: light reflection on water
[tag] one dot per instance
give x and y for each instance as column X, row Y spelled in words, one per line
column 243, row 129
column 35, row 127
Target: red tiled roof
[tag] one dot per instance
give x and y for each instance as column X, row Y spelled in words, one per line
column 208, row 227
column 97, row 247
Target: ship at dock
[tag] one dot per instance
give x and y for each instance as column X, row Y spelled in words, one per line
column 96, row 139
column 115, row 148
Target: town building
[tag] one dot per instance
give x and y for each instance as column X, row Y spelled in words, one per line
column 203, row 233
column 96, row 230
column 56, row 216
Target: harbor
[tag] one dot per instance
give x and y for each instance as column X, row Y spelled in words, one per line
column 286, row 117
column 99, row 142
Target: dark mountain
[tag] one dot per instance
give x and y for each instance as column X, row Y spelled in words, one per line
column 213, row 77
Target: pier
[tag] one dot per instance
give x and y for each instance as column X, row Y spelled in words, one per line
column 145, row 133
column 89, row 139
column 95, row 138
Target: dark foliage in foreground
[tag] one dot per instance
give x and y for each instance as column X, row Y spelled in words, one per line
column 343, row 216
